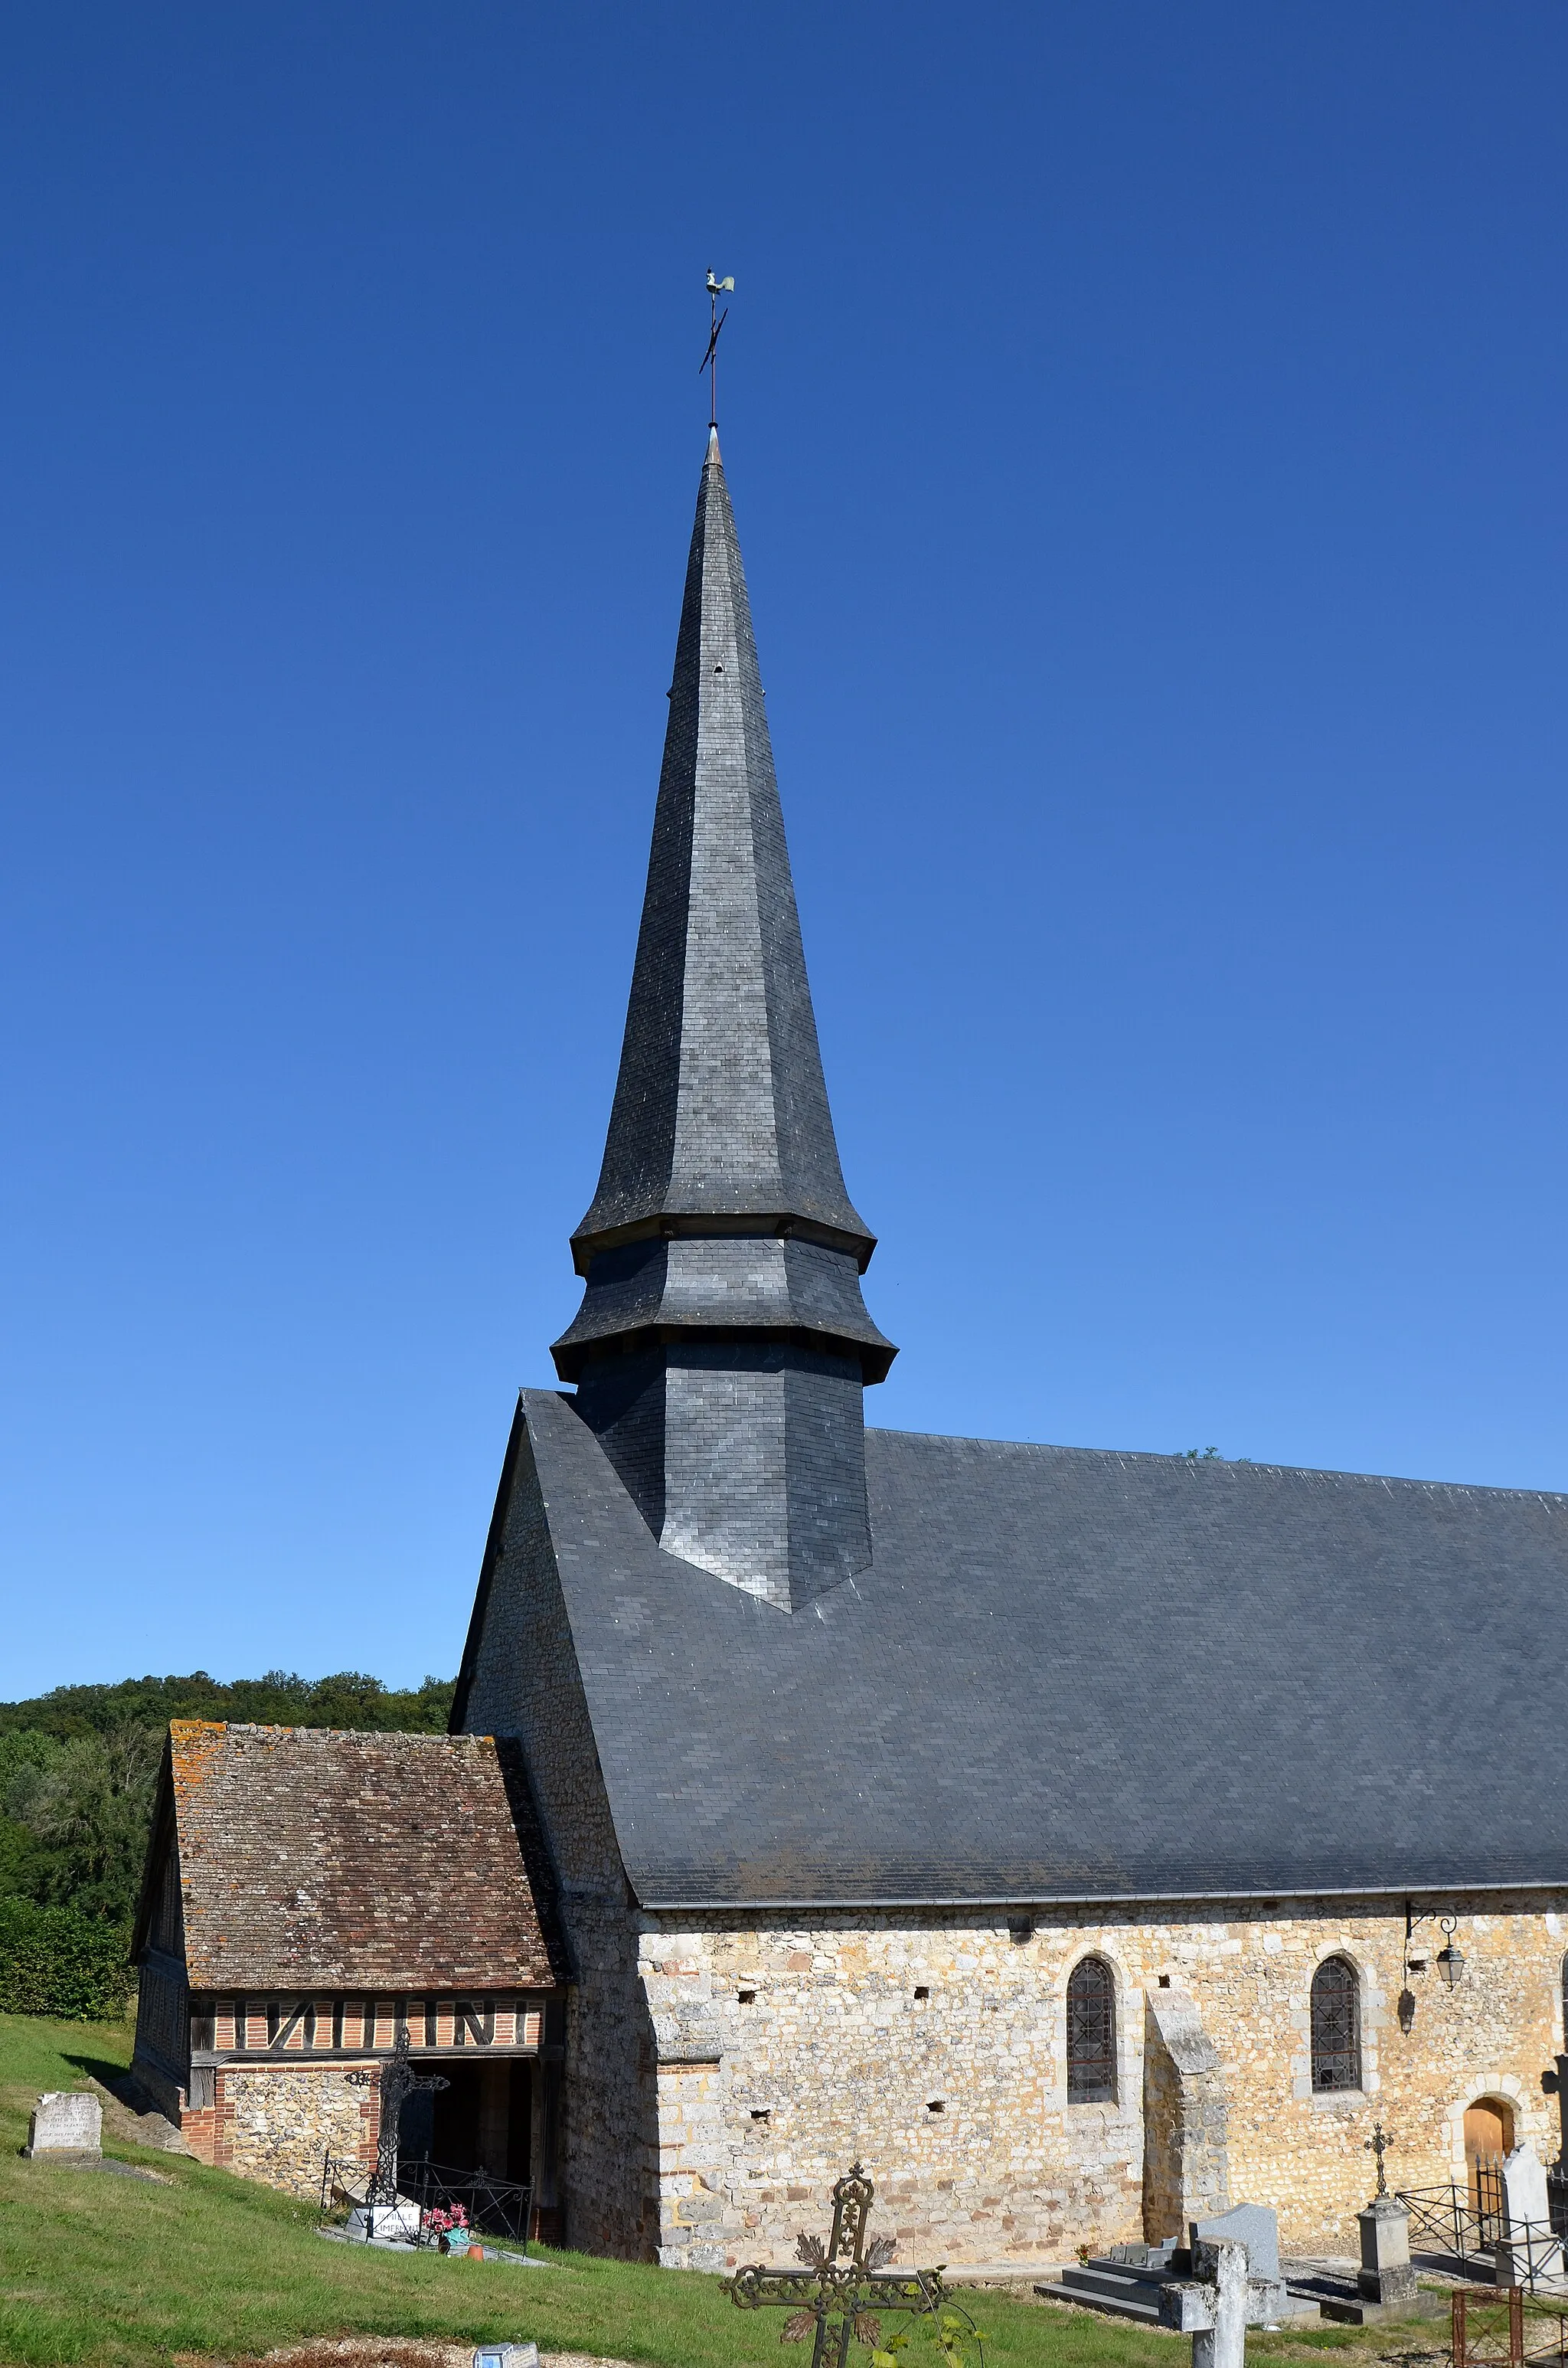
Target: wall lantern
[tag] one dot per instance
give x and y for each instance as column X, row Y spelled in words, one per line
column 1450, row 1960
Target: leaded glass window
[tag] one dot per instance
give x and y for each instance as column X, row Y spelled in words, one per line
column 1091, row 2032
column 1336, row 2026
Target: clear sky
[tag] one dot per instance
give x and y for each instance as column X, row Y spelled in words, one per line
column 1145, row 427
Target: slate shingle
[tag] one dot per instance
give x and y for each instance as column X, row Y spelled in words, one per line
column 721, row 1204
column 1076, row 1674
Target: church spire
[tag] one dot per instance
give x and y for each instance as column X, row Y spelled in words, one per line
column 721, row 1112
column 722, row 1252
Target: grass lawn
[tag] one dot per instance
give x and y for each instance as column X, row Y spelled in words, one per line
column 120, row 2273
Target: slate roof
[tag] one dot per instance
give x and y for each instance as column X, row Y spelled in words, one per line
column 721, row 1111
column 1080, row 1675
column 311, row 1858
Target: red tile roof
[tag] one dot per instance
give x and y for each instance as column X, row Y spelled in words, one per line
column 311, row 1859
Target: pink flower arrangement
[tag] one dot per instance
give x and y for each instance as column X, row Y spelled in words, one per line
column 438, row 2222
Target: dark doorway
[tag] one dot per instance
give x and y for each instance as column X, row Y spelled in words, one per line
column 482, row 2119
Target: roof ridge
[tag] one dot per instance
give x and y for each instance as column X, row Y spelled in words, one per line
column 1235, row 1464
column 193, row 1726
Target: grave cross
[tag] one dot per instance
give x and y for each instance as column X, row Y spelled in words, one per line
column 1378, row 2144
column 842, row 2285
column 397, row 2081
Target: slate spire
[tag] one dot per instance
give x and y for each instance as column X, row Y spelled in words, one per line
column 721, row 1111
column 722, row 1241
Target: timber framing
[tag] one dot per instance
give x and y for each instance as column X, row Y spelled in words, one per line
column 291, row 2029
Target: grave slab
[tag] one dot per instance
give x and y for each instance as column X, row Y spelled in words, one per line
column 67, row 2124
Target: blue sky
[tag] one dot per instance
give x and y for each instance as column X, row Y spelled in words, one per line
column 1144, row 426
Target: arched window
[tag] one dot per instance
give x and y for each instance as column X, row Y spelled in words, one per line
column 1091, row 2032
column 1336, row 2026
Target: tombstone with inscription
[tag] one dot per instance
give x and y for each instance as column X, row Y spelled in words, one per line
column 67, row 2125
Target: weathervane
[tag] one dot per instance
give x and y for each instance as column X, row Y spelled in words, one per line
column 716, row 287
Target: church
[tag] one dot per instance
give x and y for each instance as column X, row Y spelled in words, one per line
column 1084, row 1840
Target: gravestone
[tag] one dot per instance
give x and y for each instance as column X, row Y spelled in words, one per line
column 1256, row 2228
column 393, row 2224
column 1252, row 2224
column 1214, row 2306
column 1385, row 2274
column 67, row 2125
column 1526, row 2251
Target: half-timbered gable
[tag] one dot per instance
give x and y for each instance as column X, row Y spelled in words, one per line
column 312, row 1895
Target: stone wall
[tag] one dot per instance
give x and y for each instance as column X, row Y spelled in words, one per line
column 934, row 2047
column 276, row 2123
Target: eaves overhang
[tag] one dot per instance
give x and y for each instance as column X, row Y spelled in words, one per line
column 1489, row 1886
column 571, row 1355
column 720, row 1225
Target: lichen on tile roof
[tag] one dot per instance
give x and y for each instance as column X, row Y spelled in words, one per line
column 317, row 1858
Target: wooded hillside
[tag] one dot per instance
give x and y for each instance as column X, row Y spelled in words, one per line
column 77, row 1769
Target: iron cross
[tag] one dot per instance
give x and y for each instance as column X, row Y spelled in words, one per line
column 1378, row 2144
column 844, row 2283
column 397, row 2081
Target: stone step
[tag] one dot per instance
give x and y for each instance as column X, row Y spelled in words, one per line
column 1102, row 2276
column 1109, row 2286
column 1147, row 2312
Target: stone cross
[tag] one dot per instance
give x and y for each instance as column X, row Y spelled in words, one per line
column 1213, row 2308
column 1378, row 2144
column 842, row 2285
column 397, row 2081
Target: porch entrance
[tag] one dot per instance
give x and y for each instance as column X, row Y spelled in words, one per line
column 482, row 2121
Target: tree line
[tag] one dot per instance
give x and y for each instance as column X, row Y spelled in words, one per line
column 77, row 1770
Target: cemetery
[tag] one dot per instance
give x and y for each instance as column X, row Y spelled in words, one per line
column 235, row 2268
column 831, row 1818
column 876, row 1895
column 690, row 1908
column 598, row 2024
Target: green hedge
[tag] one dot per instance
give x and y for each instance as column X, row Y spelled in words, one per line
column 55, row 1961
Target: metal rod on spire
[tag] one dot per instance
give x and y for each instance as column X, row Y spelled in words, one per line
column 716, row 287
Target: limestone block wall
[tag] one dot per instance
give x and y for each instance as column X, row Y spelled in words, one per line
column 276, row 2123
column 934, row 2047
